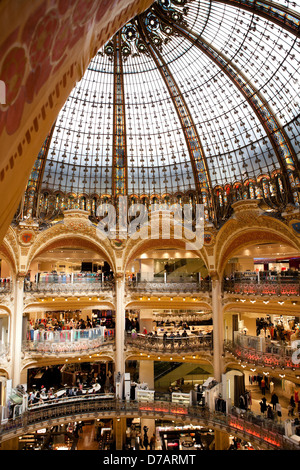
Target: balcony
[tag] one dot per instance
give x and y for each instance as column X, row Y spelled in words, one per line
column 67, row 341
column 265, row 434
column 263, row 352
column 69, row 284
column 263, row 283
column 4, row 352
column 155, row 345
column 6, row 285
column 183, row 283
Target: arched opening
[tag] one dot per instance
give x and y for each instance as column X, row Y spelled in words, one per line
column 167, row 321
column 69, row 280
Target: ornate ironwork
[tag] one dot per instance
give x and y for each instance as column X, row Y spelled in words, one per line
column 265, row 433
column 285, row 17
column 286, row 155
column 119, row 127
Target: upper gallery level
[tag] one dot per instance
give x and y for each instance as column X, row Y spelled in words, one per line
column 254, row 252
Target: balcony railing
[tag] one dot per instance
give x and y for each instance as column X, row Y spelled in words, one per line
column 261, row 431
column 5, row 286
column 4, row 349
column 67, row 341
column 179, row 345
column 168, row 283
column 264, row 283
column 261, row 352
column 69, row 288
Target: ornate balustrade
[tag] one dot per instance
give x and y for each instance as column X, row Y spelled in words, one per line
column 262, row 288
column 263, row 283
column 69, row 288
column 155, row 344
column 4, row 349
column 175, row 285
column 6, row 287
column 265, row 433
column 274, row 356
column 67, row 341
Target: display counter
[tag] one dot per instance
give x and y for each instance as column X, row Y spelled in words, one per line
column 144, row 395
column 182, row 398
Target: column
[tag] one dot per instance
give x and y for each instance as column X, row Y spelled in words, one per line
column 120, row 324
column 17, row 329
column 218, row 329
column 119, row 429
column 221, row 440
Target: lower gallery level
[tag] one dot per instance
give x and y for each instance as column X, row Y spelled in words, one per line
column 143, row 345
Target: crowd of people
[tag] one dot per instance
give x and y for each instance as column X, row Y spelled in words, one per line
column 85, row 383
column 54, row 324
column 281, row 331
column 59, row 325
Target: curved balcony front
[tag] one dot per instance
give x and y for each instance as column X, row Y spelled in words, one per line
column 6, row 286
column 268, row 435
column 186, row 284
column 64, row 342
column 265, row 283
column 159, row 345
column 263, row 352
column 69, row 288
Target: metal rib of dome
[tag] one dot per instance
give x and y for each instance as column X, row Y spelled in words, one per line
column 193, row 97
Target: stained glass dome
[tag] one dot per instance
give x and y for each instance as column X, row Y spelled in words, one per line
column 192, row 99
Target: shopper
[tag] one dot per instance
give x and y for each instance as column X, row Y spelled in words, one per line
column 274, row 400
column 278, row 411
column 263, row 405
column 291, row 406
column 152, row 442
column 270, row 414
column 263, row 386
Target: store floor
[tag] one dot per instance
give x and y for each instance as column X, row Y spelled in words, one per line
column 87, row 440
column 257, row 395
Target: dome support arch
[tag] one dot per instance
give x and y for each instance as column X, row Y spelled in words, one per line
column 271, row 11
column 195, row 148
column 119, row 174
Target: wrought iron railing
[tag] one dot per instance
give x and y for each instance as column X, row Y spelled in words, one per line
column 4, row 349
column 172, row 285
column 67, row 341
column 69, row 288
column 265, row 283
column 274, row 356
column 160, row 345
column 6, row 287
column 263, row 432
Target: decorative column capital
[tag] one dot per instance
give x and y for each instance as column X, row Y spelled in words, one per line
column 214, row 275
column 20, row 276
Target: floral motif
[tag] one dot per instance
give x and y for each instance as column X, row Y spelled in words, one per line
column 43, row 38
column 12, row 72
